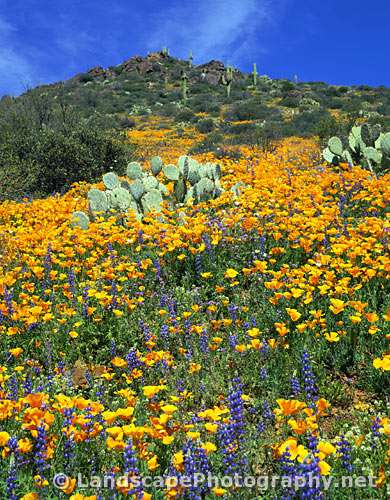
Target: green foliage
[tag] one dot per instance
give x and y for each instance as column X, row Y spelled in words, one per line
column 205, row 126
column 48, row 147
column 85, row 78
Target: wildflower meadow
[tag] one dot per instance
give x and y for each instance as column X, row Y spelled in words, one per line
column 241, row 337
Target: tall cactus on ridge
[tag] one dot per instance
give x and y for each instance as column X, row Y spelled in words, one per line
column 254, row 74
column 227, row 79
column 184, row 87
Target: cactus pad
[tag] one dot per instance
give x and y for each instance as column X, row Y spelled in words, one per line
column 111, row 180
column 171, row 172
column 80, row 219
column 156, row 165
column 98, row 201
column 134, row 170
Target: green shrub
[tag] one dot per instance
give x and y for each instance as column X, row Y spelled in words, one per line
column 185, row 115
column 43, row 161
column 249, row 110
column 205, row 126
column 85, row 78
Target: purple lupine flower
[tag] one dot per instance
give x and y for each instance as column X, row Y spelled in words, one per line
column 89, row 425
column 233, row 312
column 133, row 360
column 111, row 252
column 40, row 451
column 88, row 378
column 231, row 435
column 309, row 384
column 289, row 470
column 195, row 462
column 163, row 300
column 11, row 482
column 295, row 386
column 8, row 298
column 204, row 342
column 100, row 393
column 261, row 426
column 113, row 351
column 263, row 239
column 375, row 426
column 69, row 442
column 227, row 445
column 267, row 412
column 145, row 330
column 164, row 334
column 263, row 373
column 114, row 296
column 198, row 265
column 85, row 302
column 27, row 385
column 157, row 266
column 310, row 472
column 13, row 387
column 233, row 340
column 131, row 469
column 344, row 450
column 72, row 282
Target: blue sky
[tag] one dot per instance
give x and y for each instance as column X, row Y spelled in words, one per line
column 337, row 41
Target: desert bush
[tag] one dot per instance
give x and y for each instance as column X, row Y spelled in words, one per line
column 45, row 146
column 205, row 126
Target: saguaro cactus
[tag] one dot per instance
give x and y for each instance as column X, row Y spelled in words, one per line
column 227, row 79
column 254, row 74
column 190, row 59
column 184, row 88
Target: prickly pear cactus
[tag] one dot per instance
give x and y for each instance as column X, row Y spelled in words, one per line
column 367, row 146
column 180, row 190
column 156, row 165
column 137, row 189
column 149, row 182
column 335, row 146
column 143, row 192
column 111, row 180
column 98, row 201
column 80, row 219
column 171, row 172
column 385, row 144
column 152, row 201
column 134, row 170
column 121, row 199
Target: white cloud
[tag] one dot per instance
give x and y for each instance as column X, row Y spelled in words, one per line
column 211, row 28
column 15, row 70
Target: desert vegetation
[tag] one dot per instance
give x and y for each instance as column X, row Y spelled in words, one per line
column 222, row 309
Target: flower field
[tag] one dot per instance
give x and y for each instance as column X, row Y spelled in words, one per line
column 244, row 336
